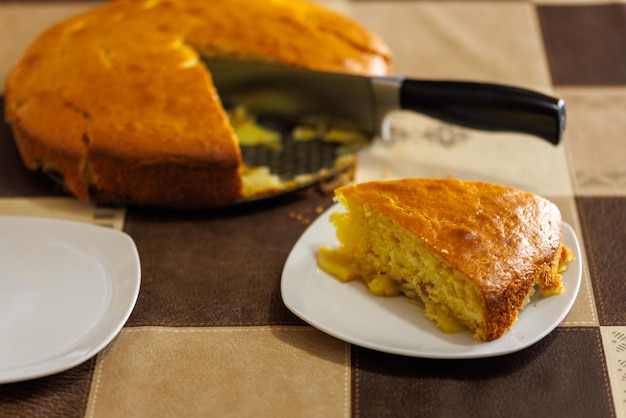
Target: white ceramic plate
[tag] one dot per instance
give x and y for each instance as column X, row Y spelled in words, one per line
column 348, row 311
column 66, row 290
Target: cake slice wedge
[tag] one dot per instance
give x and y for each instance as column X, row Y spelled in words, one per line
column 471, row 252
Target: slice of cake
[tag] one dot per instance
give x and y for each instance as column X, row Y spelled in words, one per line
column 471, row 252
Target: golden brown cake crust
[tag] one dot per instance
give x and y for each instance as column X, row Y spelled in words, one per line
column 118, row 100
column 503, row 239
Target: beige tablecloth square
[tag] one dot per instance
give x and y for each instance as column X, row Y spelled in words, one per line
column 222, row 372
column 614, row 343
column 596, row 126
column 424, row 147
column 461, row 40
column 66, row 208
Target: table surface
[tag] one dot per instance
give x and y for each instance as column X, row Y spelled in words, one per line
column 210, row 335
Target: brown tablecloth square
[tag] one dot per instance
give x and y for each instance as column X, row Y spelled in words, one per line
column 233, row 263
column 603, row 222
column 585, row 43
column 484, row 387
column 62, row 395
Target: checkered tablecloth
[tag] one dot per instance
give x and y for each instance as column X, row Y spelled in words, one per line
column 210, row 335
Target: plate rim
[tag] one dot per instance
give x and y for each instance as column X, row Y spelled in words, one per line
column 123, row 296
column 305, row 239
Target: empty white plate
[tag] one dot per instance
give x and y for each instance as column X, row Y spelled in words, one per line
column 66, row 290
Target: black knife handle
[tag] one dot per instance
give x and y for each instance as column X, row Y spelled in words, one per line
column 483, row 106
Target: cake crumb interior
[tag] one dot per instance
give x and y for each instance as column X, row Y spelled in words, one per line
column 392, row 260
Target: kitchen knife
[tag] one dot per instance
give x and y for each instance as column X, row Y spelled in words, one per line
column 296, row 94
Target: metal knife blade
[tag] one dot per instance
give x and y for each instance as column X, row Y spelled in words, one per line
column 295, row 94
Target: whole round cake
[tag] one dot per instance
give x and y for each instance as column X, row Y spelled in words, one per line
column 118, row 103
